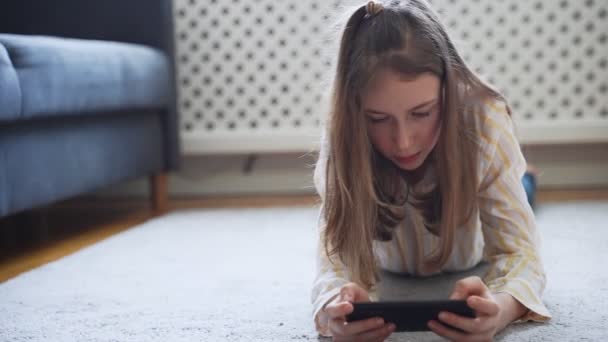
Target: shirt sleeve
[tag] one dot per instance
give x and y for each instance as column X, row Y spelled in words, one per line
column 328, row 280
column 511, row 238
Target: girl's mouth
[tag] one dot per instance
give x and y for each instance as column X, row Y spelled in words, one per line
column 408, row 160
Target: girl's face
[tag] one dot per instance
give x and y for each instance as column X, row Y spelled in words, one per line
column 403, row 116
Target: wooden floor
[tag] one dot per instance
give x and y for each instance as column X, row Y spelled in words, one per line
column 37, row 237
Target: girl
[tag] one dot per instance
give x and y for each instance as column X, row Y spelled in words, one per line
column 420, row 172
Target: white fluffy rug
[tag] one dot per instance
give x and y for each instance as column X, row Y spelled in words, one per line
column 245, row 275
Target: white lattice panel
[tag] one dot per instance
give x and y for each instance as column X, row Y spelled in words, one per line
column 548, row 57
column 252, row 73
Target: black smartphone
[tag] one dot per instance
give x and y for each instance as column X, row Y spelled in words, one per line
column 409, row 315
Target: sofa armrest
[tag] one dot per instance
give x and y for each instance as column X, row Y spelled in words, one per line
column 146, row 22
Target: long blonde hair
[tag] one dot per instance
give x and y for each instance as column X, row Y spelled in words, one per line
column 362, row 201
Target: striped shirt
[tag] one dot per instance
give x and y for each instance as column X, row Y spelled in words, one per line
column 501, row 231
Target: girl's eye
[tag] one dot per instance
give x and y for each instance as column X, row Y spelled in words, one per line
column 376, row 120
column 421, row 114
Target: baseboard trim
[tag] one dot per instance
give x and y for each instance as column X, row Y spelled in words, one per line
column 561, row 167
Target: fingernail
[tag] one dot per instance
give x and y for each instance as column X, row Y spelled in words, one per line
column 392, row 327
column 348, row 298
column 443, row 315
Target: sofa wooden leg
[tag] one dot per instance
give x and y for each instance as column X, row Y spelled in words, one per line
column 159, row 193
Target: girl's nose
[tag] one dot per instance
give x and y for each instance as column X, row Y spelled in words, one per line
column 403, row 139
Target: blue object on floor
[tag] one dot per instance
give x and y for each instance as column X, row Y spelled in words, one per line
column 529, row 182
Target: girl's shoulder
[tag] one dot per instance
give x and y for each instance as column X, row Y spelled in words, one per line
column 495, row 109
column 488, row 119
column 492, row 130
column 495, row 135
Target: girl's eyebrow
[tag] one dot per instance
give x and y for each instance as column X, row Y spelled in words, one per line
column 373, row 111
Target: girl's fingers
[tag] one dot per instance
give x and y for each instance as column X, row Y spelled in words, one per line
column 468, row 286
column 469, row 325
column 483, row 306
column 446, row 332
column 340, row 309
column 379, row 334
column 346, row 294
column 356, row 327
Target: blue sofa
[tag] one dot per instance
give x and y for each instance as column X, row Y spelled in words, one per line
column 87, row 98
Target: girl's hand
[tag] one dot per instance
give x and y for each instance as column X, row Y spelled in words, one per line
column 371, row 329
column 487, row 310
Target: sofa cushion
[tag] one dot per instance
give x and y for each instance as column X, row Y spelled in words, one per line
column 61, row 76
column 42, row 162
column 10, row 93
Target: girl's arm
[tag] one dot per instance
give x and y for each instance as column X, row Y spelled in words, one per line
column 511, row 238
column 329, row 277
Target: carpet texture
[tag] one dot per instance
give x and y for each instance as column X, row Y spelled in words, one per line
column 245, row 275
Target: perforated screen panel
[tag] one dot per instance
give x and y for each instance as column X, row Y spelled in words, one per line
column 253, row 73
